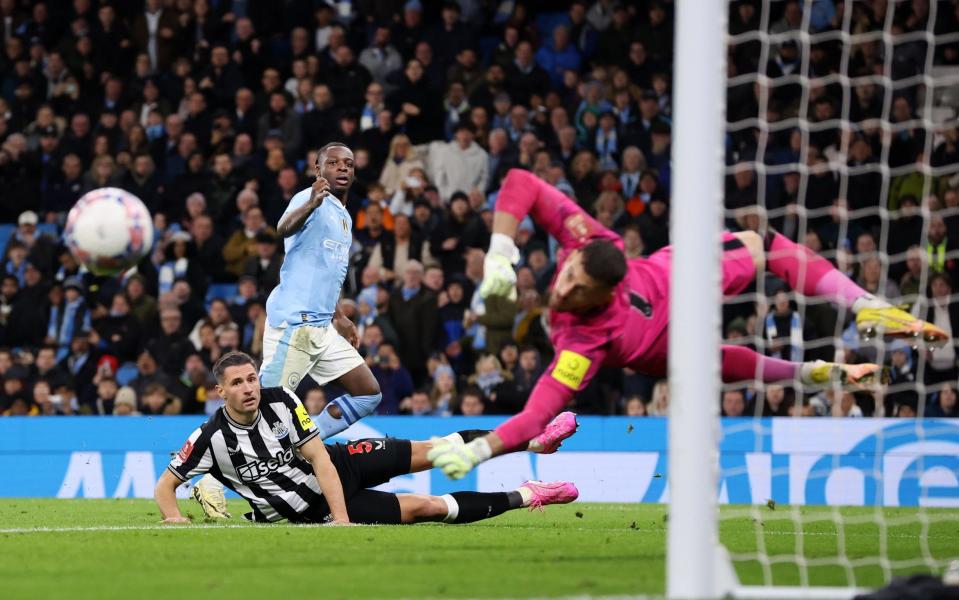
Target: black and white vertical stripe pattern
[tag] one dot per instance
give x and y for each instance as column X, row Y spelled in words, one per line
column 259, row 462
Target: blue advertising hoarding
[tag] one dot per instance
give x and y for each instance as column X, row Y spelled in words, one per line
column 886, row 462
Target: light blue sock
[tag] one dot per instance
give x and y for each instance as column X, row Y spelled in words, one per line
column 353, row 408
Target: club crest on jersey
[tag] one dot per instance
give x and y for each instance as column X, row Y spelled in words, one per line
column 578, row 226
column 293, row 380
column 345, row 226
column 280, row 430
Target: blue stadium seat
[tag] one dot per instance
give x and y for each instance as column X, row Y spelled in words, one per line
column 50, row 229
column 224, row 291
column 6, row 232
column 126, row 373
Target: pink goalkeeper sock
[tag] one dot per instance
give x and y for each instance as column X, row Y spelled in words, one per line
column 807, row 272
column 742, row 364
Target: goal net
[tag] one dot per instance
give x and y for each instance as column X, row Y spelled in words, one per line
column 841, row 134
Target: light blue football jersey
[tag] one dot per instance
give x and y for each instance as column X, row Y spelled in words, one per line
column 317, row 259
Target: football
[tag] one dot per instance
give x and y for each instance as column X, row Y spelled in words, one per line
column 109, row 230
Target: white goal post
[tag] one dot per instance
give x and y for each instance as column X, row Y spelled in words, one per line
column 903, row 55
column 697, row 565
column 699, row 116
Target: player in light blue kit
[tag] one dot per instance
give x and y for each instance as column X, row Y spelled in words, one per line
column 305, row 333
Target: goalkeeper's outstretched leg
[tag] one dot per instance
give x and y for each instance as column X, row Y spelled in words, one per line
column 813, row 275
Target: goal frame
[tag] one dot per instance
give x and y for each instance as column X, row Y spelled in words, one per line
column 697, row 566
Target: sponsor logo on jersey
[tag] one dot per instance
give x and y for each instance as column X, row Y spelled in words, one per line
column 306, row 423
column 340, row 251
column 254, row 470
column 570, row 369
column 280, row 430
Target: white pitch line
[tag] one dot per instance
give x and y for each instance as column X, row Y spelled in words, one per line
column 261, row 526
column 158, row 527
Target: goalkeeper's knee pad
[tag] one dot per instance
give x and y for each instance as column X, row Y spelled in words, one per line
column 355, row 408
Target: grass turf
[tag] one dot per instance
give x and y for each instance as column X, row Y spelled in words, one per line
column 109, row 548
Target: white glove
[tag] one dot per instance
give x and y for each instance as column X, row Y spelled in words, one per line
column 499, row 278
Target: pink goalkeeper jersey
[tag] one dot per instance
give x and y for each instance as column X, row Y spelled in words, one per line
column 630, row 331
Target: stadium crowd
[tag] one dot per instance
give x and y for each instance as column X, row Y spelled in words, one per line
column 211, row 111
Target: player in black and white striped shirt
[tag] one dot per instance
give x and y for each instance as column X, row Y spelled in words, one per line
column 263, row 445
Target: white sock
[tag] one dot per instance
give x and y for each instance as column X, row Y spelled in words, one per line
column 481, row 449
column 868, row 301
column 455, row 438
column 526, row 493
column 452, row 508
column 534, row 446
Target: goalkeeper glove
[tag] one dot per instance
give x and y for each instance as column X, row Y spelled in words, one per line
column 499, row 278
column 456, row 460
column 209, row 493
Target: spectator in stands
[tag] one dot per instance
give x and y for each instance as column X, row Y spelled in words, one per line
column 156, row 400
column 443, row 391
column 117, row 333
column 8, row 294
column 733, row 403
column 106, row 394
column 462, row 229
column 524, row 77
column 559, row 56
column 413, row 312
column 461, row 165
column 282, row 120
column 147, row 373
column 400, row 163
column 870, row 279
column 41, row 248
column 265, row 266
column 171, row 346
column 68, row 314
column 180, row 263
column 242, row 244
column 208, row 247
column 416, row 106
column 471, row 403
column 394, row 379
column 944, row 403
column 314, row 400
column 775, row 401
column 634, row 407
column 125, row 403
column 941, row 364
column 380, row 58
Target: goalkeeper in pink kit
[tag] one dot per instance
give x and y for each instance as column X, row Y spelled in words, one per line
column 607, row 311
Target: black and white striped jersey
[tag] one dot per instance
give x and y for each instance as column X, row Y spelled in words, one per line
column 259, row 461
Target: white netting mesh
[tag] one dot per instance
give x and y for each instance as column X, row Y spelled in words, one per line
column 842, row 134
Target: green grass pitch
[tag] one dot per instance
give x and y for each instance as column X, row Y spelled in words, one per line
column 111, row 548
